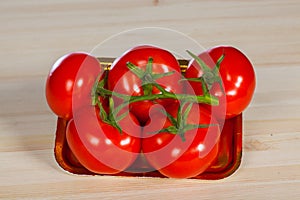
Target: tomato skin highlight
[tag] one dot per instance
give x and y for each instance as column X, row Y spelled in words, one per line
column 238, row 77
column 72, row 76
column 122, row 80
column 100, row 147
column 175, row 158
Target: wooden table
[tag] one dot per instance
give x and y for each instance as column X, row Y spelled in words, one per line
column 36, row 33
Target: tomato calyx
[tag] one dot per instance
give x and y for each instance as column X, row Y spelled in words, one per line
column 209, row 76
column 180, row 123
column 147, row 76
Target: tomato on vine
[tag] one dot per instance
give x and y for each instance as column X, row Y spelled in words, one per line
column 100, row 146
column 72, row 76
column 140, row 108
column 184, row 146
column 236, row 85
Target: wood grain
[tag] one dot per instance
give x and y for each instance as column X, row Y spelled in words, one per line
column 36, row 33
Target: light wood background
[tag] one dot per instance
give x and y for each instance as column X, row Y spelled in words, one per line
column 33, row 34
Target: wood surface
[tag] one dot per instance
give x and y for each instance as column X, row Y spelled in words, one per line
column 34, row 34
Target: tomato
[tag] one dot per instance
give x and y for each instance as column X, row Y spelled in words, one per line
column 99, row 146
column 237, row 74
column 177, row 158
column 71, row 77
column 122, row 80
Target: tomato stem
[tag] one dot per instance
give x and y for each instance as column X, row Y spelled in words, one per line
column 206, row 99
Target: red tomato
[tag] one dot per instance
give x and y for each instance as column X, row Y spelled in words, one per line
column 122, row 80
column 71, row 79
column 237, row 74
column 176, row 158
column 100, row 147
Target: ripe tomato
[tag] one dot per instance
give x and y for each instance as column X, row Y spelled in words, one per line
column 122, row 80
column 176, row 158
column 237, row 75
column 71, row 78
column 100, row 147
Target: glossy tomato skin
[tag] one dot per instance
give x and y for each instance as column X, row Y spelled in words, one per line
column 71, row 79
column 100, row 147
column 176, row 158
column 237, row 75
column 122, row 80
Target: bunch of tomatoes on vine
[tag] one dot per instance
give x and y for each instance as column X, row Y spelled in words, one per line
column 146, row 104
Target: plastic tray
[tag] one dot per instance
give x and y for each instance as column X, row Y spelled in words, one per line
column 227, row 162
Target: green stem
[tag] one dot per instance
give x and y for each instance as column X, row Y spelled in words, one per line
column 206, row 99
